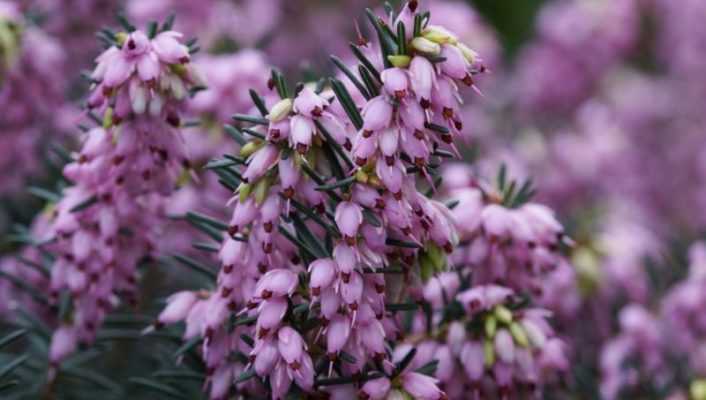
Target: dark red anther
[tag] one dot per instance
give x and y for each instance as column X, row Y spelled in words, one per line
column 447, row 112
column 350, row 240
column 232, row 230
column 448, row 248
column 173, row 119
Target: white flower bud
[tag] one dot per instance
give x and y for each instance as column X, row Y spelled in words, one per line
column 426, row 46
column 280, row 110
column 439, row 34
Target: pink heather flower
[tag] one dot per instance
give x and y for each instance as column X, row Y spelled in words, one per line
column 348, row 217
column 483, row 297
column 376, row 115
column 309, row 104
column 396, row 82
column 504, row 346
column 639, row 339
column 337, row 332
column 423, row 79
column 271, row 313
column 456, row 65
column 64, row 342
column 323, row 272
column 441, row 288
column 260, row 162
column 290, row 344
column 421, row 386
column 266, row 357
column 302, row 133
column 178, row 307
column 471, row 357
column 220, row 382
column 278, row 282
column 375, row 389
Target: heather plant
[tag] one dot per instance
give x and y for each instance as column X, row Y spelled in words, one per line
column 419, row 216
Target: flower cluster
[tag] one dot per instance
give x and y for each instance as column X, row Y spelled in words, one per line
column 103, row 225
column 603, row 31
column 324, row 205
column 29, row 95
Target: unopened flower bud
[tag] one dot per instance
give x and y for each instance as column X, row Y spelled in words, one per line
column 518, row 332
column 63, row 343
column 400, row 61
column 439, row 34
column 490, row 326
column 280, row 110
column 488, row 353
column 250, row 147
column 178, row 307
column 503, row 314
column 426, row 46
